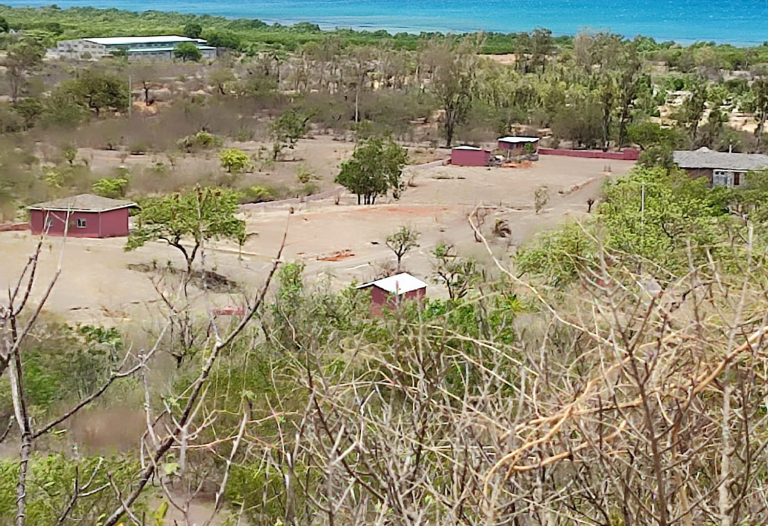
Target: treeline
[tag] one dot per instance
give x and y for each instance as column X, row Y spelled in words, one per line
column 253, row 35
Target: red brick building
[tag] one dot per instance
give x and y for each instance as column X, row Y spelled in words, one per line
column 469, row 156
column 389, row 292
column 83, row 215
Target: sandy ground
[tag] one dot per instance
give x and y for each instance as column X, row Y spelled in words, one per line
column 319, row 156
column 96, row 285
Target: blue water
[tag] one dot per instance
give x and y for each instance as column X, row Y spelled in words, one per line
column 740, row 22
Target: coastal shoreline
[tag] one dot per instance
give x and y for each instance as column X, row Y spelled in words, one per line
column 374, row 22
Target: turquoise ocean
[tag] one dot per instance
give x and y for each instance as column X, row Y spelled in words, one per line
column 739, row 22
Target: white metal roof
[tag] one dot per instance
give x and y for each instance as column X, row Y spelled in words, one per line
column 132, row 41
column 473, row 148
column 398, row 284
column 515, row 140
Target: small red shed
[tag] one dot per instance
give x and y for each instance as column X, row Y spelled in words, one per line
column 515, row 146
column 391, row 291
column 82, row 215
column 469, row 156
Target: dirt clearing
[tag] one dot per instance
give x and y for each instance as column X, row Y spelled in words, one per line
column 343, row 242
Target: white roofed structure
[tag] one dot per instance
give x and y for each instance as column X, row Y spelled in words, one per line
column 135, row 41
column 518, row 140
column 398, row 284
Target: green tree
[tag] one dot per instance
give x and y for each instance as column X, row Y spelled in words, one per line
column 112, row 188
column 225, row 39
column 540, row 198
column 69, row 152
column 458, row 274
column 692, row 110
column 187, row 221
column 192, row 30
column 187, row 51
column 98, row 90
column 234, row 160
column 21, row 58
column 402, row 242
column 287, row 129
column 4, row 27
column 760, row 91
column 375, row 168
column 454, row 82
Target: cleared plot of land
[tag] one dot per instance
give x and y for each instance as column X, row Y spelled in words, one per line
column 344, row 241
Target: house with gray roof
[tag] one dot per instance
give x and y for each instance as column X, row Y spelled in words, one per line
column 720, row 168
column 84, row 215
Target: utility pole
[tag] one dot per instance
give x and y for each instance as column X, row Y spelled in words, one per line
column 130, row 96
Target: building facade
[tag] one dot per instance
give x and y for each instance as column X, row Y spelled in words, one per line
column 389, row 292
column 720, row 168
column 83, row 215
column 470, row 156
column 516, row 146
column 153, row 47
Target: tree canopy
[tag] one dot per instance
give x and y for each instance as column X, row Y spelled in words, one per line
column 187, row 51
column 186, row 221
column 375, row 168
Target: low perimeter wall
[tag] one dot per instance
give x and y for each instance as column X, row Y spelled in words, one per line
column 13, row 227
column 624, row 155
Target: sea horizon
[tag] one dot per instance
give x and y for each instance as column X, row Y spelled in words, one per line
column 736, row 22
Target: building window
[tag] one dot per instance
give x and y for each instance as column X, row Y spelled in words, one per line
column 49, row 222
column 722, row 178
column 80, row 222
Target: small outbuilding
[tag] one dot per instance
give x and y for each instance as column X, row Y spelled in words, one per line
column 720, row 168
column 515, row 146
column 470, row 156
column 391, row 291
column 84, row 215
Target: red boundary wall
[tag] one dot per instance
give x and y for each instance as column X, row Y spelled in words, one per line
column 14, row 227
column 624, row 155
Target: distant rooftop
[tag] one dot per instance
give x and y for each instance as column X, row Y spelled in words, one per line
column 516, row 140
column 473, row 148
column 397, row 284
column 708, row 159
column 133, row 41
column 83, row 203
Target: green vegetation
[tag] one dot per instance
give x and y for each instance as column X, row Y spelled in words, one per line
column 375, row 168
column 187, row 221
column 187, row 51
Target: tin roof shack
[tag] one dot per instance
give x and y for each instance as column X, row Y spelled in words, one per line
column 470, row 156
column 389, row 292
column 515, row 147
column 82, row 215
column 720, row 168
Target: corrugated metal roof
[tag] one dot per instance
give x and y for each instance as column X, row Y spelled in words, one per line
column 398, row 284
column 472, row 148
column 517, row 140
column 706, row 158
column 132, row 41
column 153, row 49
column 83, row 203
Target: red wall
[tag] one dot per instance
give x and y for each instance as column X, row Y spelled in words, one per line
column 114, row 223
column 381, row 298
column 97, row 224
column 470, row 157
column 624, row 155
